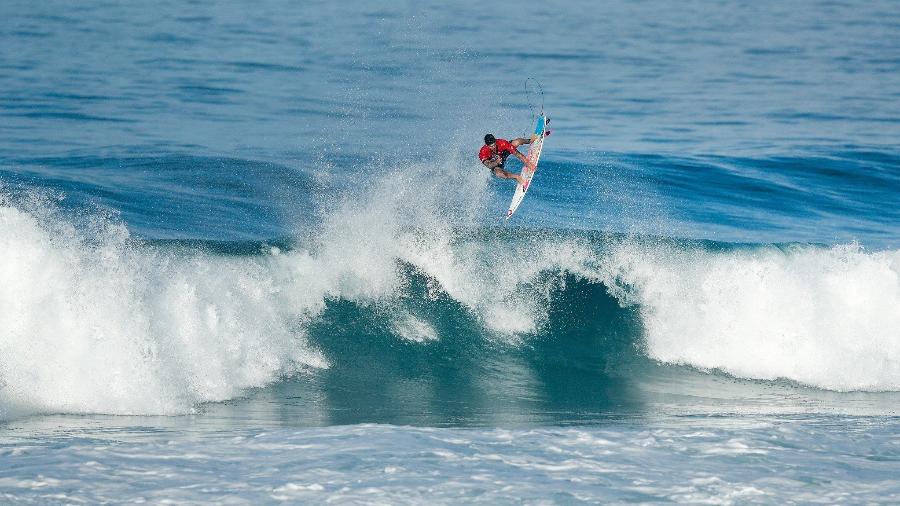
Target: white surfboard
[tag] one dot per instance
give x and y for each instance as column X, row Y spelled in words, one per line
column 534, row 154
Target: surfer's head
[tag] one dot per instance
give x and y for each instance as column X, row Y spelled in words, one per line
column 489, row 139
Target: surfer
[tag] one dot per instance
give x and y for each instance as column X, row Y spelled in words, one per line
column 495, row 151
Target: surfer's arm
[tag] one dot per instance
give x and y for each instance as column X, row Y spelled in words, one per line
column 492, row 162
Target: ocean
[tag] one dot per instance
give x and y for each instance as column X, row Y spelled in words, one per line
column 248, row 254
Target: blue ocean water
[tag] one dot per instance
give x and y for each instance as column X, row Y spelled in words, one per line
column 249, row 254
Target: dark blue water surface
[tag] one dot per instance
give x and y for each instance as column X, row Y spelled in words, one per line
column 768, row 122
column 257, row 236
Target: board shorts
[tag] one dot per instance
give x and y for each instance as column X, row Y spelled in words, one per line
column 503, row 157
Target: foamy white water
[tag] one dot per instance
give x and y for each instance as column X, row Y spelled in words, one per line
column 826, row 317
column 92, row 322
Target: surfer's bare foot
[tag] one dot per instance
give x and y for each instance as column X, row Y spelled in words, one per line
column 520, row 180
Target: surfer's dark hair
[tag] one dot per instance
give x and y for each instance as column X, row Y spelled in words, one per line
column 489, row 139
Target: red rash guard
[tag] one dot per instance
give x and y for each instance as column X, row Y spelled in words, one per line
column 504, row 149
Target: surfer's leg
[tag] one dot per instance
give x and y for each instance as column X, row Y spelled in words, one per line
column 519, row 141
column 504, row 174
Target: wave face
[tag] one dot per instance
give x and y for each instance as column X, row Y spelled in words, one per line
column 97, row 321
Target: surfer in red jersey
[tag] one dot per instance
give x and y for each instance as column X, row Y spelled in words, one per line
column 495, row 151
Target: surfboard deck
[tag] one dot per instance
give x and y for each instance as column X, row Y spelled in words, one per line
column 533, row 156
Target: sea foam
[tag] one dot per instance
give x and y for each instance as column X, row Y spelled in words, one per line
column 93, row 321
column 828, row 317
